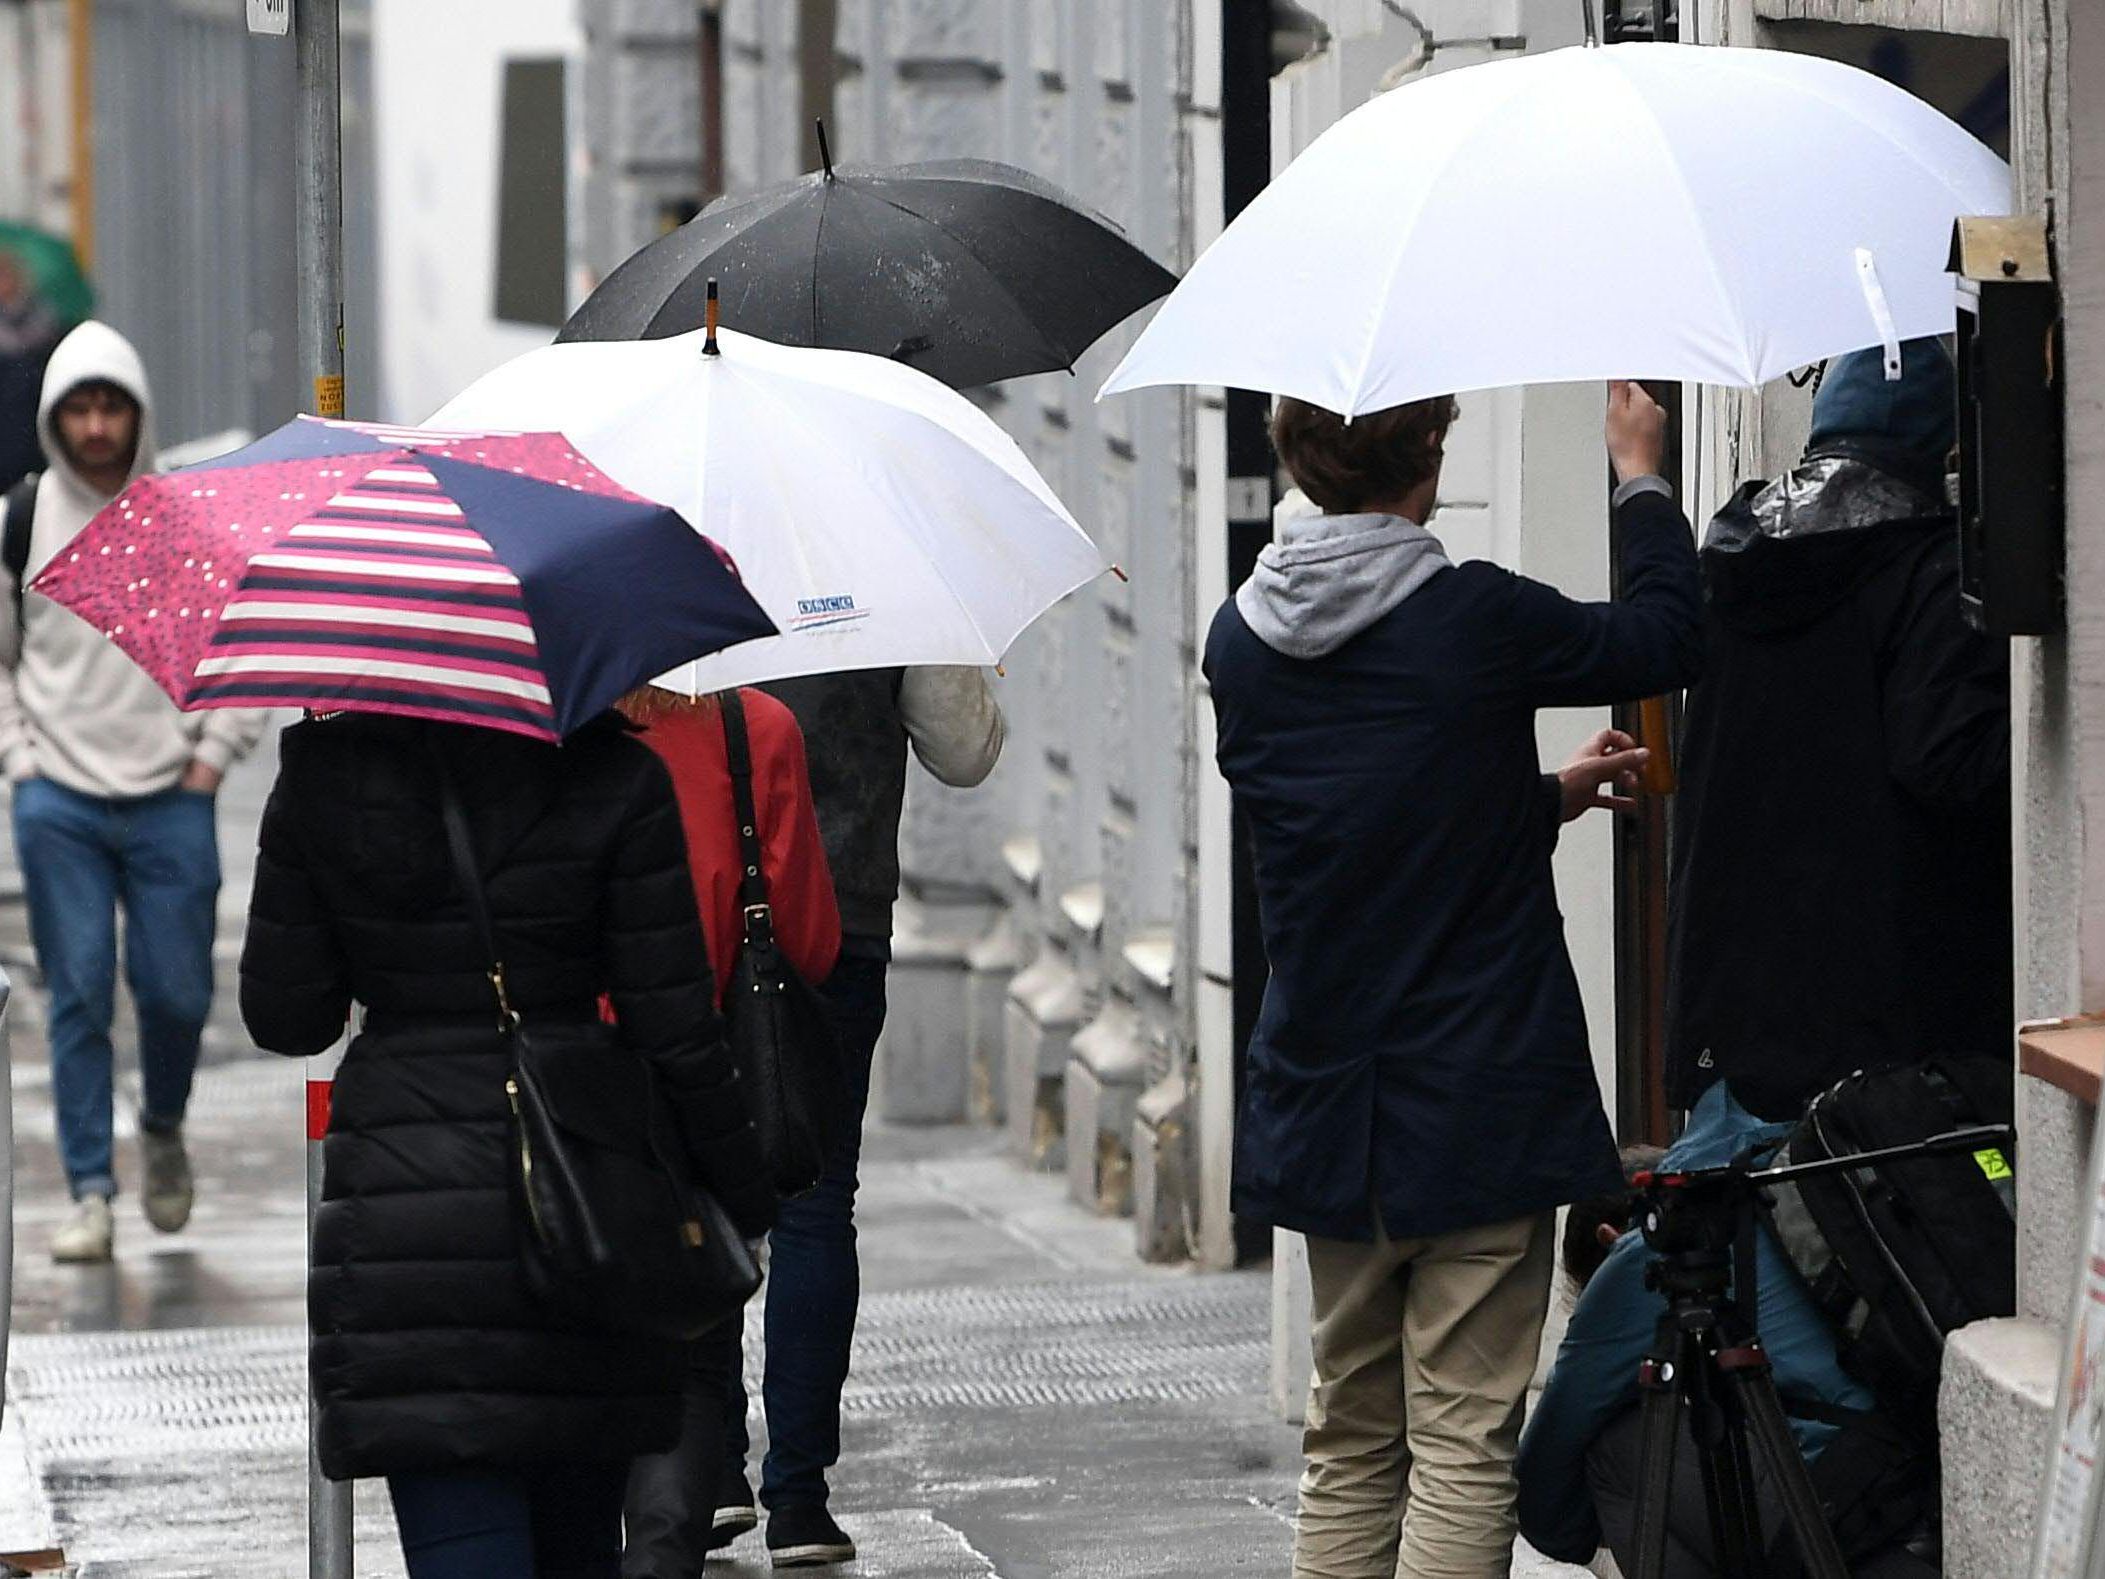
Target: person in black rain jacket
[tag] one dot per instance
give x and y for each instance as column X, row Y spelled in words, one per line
column 1840, row 893
column 505, row 1431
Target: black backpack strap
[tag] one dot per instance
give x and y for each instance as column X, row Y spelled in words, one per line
column 14, row 539
column 752, row 879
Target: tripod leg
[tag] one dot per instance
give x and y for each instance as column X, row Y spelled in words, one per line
column 1660, row 1383
column 1728, row 1480
column 1771, row 1433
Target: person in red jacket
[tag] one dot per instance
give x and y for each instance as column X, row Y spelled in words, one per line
column 671, row 1508
column 688, row 735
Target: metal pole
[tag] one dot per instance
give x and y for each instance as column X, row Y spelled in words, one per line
column 328, row 1501
column 319, row 218
column 80, row 174
column 318, row 221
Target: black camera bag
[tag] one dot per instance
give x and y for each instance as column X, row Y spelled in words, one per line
column 1899, row 1254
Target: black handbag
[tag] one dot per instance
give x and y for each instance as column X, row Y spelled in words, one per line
column 614, row 1228
column 780, row 1030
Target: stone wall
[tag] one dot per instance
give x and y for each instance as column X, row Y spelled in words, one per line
column 1998, row 1392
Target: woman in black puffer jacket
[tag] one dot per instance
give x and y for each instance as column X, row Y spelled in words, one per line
column 504, row 1431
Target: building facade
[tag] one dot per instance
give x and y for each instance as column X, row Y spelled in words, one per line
column 1074, row 955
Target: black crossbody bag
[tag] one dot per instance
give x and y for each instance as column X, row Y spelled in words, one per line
column 781, row 1033
column 614, row 1229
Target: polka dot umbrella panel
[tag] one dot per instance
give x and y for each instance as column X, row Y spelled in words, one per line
column 494, row 579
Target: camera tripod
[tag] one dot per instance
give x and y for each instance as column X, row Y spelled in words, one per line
column 1707, row 1360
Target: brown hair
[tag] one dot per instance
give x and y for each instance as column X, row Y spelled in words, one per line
column 1583, row 1250
column 647, row 702
column 1374, row 459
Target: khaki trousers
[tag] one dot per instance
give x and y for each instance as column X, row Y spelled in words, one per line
column 1424, row 1349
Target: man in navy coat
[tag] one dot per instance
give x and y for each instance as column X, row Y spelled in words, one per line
column 1420, row 1096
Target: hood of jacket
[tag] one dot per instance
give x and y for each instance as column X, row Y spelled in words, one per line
column 1783, row 553
column 93, row 353
column 1325, row 578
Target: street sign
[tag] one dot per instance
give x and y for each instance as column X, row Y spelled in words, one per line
column 270, row 16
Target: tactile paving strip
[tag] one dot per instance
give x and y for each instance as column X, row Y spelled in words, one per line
column 1067, row 1344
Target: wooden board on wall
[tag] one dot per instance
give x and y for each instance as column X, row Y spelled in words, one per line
column 1982, row 18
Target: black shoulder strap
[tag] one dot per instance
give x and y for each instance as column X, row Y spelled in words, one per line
column 752, row 878
column 14, row 540
column 462, row 850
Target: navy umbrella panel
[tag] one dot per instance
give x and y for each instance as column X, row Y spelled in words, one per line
column 491, row 579
column 968, row 270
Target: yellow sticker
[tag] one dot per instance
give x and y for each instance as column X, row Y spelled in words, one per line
column 329, row 395
column 1993, row 1164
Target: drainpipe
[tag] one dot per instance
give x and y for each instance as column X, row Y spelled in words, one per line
column 80, row 23
column 1246, row 169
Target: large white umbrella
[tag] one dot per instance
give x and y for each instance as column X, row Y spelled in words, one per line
column 1638, row 211
column 879, row 517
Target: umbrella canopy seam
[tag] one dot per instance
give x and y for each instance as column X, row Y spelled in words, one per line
column 1357, row 390
column 796, row 417
column 1059, row 351
column 1749, row 364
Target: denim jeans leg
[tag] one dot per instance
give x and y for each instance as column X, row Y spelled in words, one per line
column 575, row 1513
column 463, row 1524
column 70, row 874
column 171, row 911
column 814, row 1282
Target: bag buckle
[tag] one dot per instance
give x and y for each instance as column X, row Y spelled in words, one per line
column 760, row 926
column 508, row 1017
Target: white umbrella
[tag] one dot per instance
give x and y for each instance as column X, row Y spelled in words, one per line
column 878, row 517
column 1659, row 211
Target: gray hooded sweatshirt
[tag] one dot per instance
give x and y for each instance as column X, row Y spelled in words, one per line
column 1325, row 578
column 73, row 708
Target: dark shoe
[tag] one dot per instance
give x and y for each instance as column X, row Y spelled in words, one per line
column 170, row 1190
column 806, row 1538
column 735, row 1513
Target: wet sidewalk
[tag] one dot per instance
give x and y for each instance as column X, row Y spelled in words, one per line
column 1028, row 1400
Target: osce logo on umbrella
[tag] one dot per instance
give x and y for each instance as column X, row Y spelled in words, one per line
column 818, row 613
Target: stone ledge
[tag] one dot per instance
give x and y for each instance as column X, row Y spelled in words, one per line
column 1995, row 1411
column 2067, row 1054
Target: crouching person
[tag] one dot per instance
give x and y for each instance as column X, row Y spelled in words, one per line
column 1420, row 1097
column 1874, row 1470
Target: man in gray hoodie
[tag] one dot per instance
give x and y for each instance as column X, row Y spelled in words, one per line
column 113, row 806
column 1419, row 1098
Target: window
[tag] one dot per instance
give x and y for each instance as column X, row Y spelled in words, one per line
column 532, row 211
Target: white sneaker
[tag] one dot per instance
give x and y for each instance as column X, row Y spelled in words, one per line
column 86, row 1236
column 169, row 1190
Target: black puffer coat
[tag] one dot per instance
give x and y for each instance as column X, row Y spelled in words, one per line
column 428, row 1351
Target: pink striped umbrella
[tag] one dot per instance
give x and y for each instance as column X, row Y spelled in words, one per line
column 496, row 579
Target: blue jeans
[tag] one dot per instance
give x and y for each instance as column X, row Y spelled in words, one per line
column 813, row 1281
column 557, row 1521
column 82, row 857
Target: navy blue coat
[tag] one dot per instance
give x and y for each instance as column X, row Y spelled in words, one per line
column 1422, row 1047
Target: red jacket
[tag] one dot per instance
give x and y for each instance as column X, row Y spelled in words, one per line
column 807, row 921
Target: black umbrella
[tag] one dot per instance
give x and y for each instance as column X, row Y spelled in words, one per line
column 966, row 269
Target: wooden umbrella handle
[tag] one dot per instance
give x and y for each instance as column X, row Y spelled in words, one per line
column 1652, row 733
